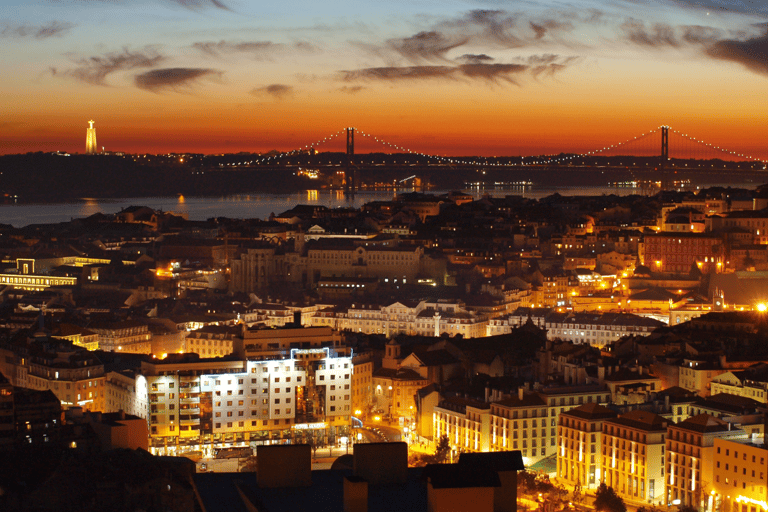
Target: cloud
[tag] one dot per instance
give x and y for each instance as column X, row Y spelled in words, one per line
column 493, row 26
column 425, row 46
column 95, row 70
column 478, row 71
column 351, row 89
column 542, row 28
column 197, row 4
column 260, row 50
column 659, row 34
column 172, row 78
column 696, row 34
column 279, row 91
column 750, row 7
column 399, row 73
column 752, row 53
column 474, row 58
column 51, row 29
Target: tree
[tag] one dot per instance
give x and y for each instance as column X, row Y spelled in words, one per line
column 607, row 500
column 442, row 450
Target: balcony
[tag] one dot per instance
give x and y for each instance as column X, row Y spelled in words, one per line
column 189, row 398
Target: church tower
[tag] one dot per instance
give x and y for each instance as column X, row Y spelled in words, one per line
column 90, row 140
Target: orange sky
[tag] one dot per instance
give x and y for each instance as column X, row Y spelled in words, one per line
column 450, row 80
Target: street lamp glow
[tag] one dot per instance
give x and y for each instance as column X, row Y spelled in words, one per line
column 762, row 307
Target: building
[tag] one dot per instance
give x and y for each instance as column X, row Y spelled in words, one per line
column 212, row 340
column 76, row 379
column 597, row 329
column 750, row 383
column 276, row 395
column 740, row 468
column 466, row 423
column 7, row 425
column 379, row 479
column 690, row 460
column 394, row 392
column 633, row 456
column 362, row 385
column 580, row 444
column 676, row 252
column 130, row 336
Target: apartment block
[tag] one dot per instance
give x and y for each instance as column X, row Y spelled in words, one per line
column 690, row 459
column 580, row 441
column 740, row 468
column 633, row 456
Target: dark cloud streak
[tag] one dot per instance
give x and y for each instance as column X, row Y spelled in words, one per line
column 752, row 53
column 278, row 91
column 51, row 29
column 260, row 50
column 175, row 79
column 95, row 70
column 473, row 71
column 426, row 46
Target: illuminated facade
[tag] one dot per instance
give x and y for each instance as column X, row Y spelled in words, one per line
column 690, row 450
column 304, row 397
column 526, row 421
column 740, row 483
column 676, row 252
column 362, row 384
column 90, row 140
column 465, row 422
column 579, row 441
column 126, row 336
column 633, row 456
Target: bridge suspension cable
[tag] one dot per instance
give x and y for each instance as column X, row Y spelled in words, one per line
column 598, row 151
column 717, row 148
column 294, row 151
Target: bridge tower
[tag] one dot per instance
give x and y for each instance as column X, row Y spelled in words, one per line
column 349, row 174
column 665, row 179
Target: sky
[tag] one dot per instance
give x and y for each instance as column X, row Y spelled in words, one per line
column 443, row 77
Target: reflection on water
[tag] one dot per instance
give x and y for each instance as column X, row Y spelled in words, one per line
column 251, row 205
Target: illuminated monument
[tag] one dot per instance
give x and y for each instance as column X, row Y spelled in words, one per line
column 90, row 140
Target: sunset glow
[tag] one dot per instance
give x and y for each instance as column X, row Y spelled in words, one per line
column 448, row 78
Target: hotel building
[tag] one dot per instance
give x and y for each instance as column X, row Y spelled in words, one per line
column 283, row 388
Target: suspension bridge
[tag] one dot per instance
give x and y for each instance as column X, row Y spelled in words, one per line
column 664, row 151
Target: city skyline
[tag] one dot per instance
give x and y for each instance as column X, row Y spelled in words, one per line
column 486, row 78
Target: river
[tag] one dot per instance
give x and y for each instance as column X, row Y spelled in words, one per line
column 252, row 205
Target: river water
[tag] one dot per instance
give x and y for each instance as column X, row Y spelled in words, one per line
column 252, row 205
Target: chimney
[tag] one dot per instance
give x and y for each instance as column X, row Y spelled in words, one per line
column 487, row 393
column 355, row 494
column 297, row 318
column 666, row 402
column 600, row 374
column 520, row 393
column 640, row 370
